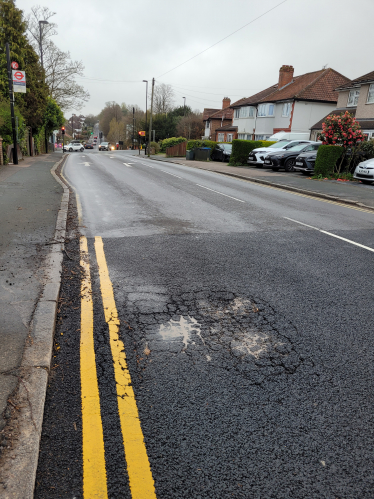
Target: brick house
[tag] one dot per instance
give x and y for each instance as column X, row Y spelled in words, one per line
column 293, row 104
column 356, row 97
column 217, row 118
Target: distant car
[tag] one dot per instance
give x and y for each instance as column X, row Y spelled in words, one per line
column 257, row 156
column 304, row 163
column 74, row 146
column 365, row 171
column 88, row 146
column 104, row 146
column 286, row 158
column 222, row 152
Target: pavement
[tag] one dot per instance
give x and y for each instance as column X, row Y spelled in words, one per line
column 30, row 204
column 213, row 340
column 351, row 192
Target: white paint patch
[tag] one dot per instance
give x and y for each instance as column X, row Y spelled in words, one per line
column 208, row 358
column 181, row 329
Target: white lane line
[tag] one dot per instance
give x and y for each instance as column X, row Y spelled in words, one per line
column 128, row 165
column 170, row 174
column 332, row 235
column 236, row 199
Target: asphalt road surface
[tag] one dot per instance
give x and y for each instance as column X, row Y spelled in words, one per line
column 218, row 342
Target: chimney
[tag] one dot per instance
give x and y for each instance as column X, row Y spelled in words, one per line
column 226, row 102
column 285, row 76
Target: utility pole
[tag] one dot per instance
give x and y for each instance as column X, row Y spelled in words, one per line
column 146, row 114
column 11, row 97
column 184, row 106
column 133, row 128
column 150, row 121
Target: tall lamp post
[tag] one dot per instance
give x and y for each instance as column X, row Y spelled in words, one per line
column 146, row 114
column 184, row 105
column 41, row 60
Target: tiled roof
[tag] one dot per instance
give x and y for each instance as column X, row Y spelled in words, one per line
column 318, row 86
column 335, row 112
column 226, row 114
column 208, row 112
column 227, row 128
column 369, row 77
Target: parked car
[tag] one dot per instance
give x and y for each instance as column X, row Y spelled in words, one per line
column 257, row 156
column 88, row 146
column 305, row 162
column 74, row 146
column 104, row 146
column 222, row 152
column 286, row 158
column 365, row 171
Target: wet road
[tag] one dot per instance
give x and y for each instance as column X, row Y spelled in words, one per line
column 219, row 343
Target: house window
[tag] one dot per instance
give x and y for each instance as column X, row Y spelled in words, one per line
column 271, row 110
column 221, row 137
column 262, row 137
column 237, row 113
column 241, row 136
column 249, row 137
column 265, row 110
column 353, row 98
column 246, row 112
column 262, row 110
column 370, row 94
column 229, row 137
column 208, row 124
column 286, row 110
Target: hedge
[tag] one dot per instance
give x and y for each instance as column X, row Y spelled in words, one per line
column 242, row 148
column 327, row 156
column 172, row 141
column 191, row 144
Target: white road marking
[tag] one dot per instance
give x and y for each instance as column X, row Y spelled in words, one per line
column 332, row 235
column 128, row 165
column 170, row 174
column 236, row 199
column 85, row 163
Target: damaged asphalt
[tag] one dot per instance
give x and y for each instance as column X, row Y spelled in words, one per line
column 250, row 350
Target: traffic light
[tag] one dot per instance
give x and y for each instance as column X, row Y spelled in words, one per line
column 101, row 135
column 63, row 130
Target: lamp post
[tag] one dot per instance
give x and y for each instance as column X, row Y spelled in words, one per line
column 184, row 111
column 41, row 60
column 146, row 115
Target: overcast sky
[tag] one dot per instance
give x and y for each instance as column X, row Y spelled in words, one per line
column 137, row 40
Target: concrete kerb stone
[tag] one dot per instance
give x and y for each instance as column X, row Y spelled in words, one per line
column 283, row 187
column 19, row 464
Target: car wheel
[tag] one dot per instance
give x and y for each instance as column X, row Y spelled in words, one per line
column 275, row 169
column 368, row 182
column 288, row 166
column 71, row 149
column 82, row 150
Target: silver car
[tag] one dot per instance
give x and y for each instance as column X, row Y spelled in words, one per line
column 74, row 146
column 365, row 171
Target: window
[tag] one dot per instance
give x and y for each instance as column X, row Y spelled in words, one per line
column 262, row 137
column 221, row 137
column 371, row 94
column 271, row 110
column 286, row 111
column 208, row 124
column 229, row 137
column 262, row 111
column 265, row 110
column 237, row 112
column 241, row 136
column 353, row 98
column 246, row 112
column 249, row 137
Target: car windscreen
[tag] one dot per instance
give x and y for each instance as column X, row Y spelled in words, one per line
column 279, row 144
column 227, row 147
column 104, row 143
column 298, row 147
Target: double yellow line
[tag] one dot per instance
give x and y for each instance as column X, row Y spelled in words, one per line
column 138, row 466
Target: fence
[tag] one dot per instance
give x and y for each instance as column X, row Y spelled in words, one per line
column 177, row 150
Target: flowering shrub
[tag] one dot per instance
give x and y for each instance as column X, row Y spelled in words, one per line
column 341, row 130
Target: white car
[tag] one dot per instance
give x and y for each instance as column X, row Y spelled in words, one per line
column 365, row 171
column 74, row 146
column 257, row 156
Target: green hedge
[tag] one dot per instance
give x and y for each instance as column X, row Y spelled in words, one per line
column 242, row 148
column 172, row 141
column 191, row 144
column 327, row 156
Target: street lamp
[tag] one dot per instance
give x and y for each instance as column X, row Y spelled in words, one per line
column 146, row 114
column 184, row 112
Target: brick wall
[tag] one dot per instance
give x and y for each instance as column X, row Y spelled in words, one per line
column 214, row 124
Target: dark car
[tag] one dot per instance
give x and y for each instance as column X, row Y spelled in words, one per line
column 286, row 159
column 88, row 146
column 222, row 152
column 305, row 162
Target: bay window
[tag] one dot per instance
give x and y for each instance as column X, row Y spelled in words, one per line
column 353, row 98
column 265, row 110
column 286, row 110
column 370, row 99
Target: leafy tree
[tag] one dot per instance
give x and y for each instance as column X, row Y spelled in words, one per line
column 13, row 30
column 191, row 126
column 53, row 117
column 341, row 130
column 117, row 131
column 110, row 111
column 6, row 131
column 91, row 120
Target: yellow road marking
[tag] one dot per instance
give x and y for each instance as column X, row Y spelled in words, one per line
column 94, row 473
column 138, row 467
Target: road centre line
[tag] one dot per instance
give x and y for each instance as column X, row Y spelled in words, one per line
column 236, row 199
column 332, row 235
column 94, row 472
column 128, row 165
column 138, row 466
column 170, row 173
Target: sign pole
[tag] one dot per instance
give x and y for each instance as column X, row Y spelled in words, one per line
column 11, row 97
column 150, row 122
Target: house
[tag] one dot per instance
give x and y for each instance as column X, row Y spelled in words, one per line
column 356, row 97
column 293, row 104
column 217, row 118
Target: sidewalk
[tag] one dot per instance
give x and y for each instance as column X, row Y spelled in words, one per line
column 350, row 192
column 30, row 200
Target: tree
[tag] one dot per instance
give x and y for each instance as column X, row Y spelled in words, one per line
column 53, row 118
column 191, row 126
column 91, row 120
column 13, row 30
column 341, row 130
column 60, row 70
column 117, row 131
column 110, row 111
column 163, row 99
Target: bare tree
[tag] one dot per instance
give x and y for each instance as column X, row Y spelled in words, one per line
column 163, row 100
column 60, row 70
column 191, row 126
